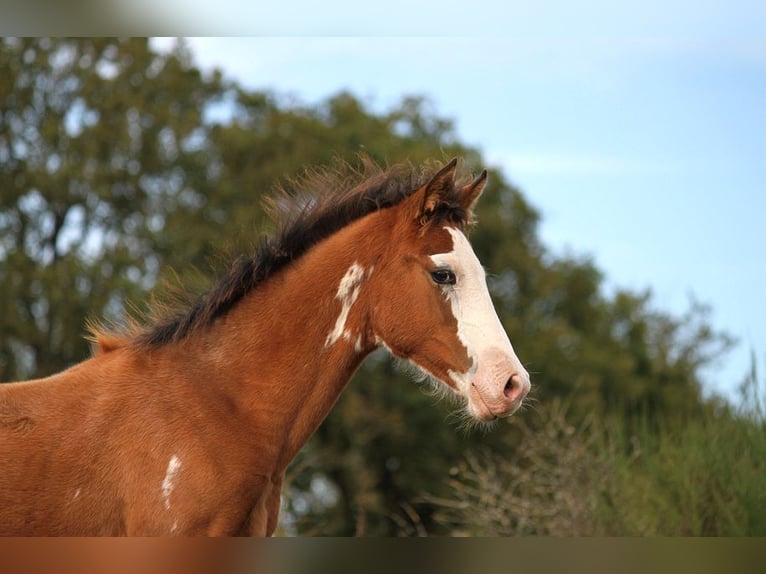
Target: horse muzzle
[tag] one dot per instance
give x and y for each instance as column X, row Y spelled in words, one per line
column 498, row 387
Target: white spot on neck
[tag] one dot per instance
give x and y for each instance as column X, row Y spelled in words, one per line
column 168, row 483
column 348, row 292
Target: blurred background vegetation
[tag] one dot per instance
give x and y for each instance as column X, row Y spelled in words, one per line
column 122, row 168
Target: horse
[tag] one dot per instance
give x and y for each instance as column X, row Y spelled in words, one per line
column 184, row 423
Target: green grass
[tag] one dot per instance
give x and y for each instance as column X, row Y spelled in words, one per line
column 702, row 476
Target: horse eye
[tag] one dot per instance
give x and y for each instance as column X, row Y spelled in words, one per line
column 443, row 277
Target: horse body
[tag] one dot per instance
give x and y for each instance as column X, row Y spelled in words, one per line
column 192, row 435
column 79, row 461
column 215, row 414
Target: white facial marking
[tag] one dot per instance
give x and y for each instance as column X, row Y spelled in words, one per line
column 478, row 326
column 76, row 494
column 168, row 483
column 348, row 292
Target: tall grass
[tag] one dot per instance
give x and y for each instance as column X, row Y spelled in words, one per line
column 704, row 476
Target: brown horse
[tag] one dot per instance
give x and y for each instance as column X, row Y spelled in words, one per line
column 185, row 426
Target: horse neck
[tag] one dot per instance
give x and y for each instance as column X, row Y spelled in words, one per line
column 286, row 352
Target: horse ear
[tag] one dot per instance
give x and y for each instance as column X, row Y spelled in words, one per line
column 438, row 189
column 470, row 193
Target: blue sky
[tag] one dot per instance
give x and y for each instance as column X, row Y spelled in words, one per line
column 646, row 153
column 451, row 18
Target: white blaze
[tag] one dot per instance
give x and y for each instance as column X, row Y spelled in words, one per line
column 478, row 326
column 348, row 292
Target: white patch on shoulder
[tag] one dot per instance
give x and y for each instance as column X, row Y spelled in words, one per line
column 168, row 483
column 348, row 292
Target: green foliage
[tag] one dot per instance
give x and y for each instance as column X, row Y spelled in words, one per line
column 96, row 149
column 699, row 476
column 703, row 478
column 119, row 165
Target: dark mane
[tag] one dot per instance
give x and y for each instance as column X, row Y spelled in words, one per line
column 305, row 212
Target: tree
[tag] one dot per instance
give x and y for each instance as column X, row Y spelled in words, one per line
column 99, row 143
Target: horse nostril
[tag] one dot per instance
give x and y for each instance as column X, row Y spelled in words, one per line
column 508, row 390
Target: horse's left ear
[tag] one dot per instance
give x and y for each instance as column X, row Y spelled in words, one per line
column 438, row 188
column 469, row 194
